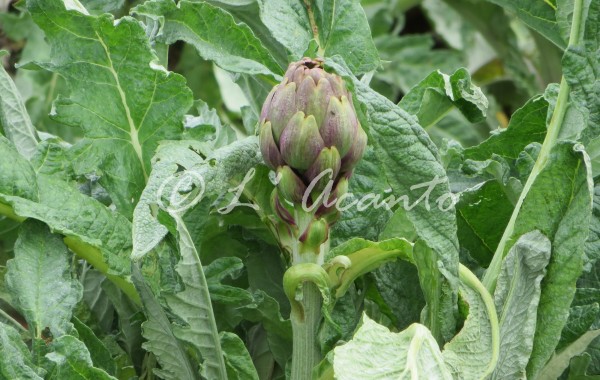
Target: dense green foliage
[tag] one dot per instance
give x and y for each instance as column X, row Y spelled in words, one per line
column 141, row 231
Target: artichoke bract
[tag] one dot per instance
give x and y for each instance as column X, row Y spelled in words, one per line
column 309, row 132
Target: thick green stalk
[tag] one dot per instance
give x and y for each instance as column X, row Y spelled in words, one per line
column 305, row 325
column 304, row 283
column 558, row 116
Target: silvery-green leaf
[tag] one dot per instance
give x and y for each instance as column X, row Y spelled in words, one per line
column 72, row 361
column 14, row 119
column 15, row 358
column 376, row 353
column 517, row 296
column 122, row 99
column 40, row 282
column 202, row 25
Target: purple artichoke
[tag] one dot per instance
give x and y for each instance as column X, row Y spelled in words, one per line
column 309, row 125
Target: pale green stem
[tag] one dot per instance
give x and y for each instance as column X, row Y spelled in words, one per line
column 313, row 25
column 469, row 279
column 491, row 275
column 305, row 325
column 13, row 321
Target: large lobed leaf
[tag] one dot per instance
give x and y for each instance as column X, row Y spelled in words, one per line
column 121, row 98
column 438, row 93
column 169, row 351
column 559, row 206
column 201, row 25
column 376, row 353
column 409, row 158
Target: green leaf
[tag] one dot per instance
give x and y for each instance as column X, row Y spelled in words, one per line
column 193, row 306
column 202, row 25
column 473, row 352
column 215, row 175
column 15, row 358
column 40, row 282
column 411, row 165
column 344, row 30
column 581, row 319
column 538, row 15
column 17, row 178
column 169, row 351
column 481, row 213
column 495, row 27
column 516, row 297
column 288, row 22
column 14, row 119
column 73, row 361
column 418, row 59
column 527, row 125
column 121, row 98
column 559, row 206
column 377, row 353
column 438, row 93
column 581, row 68
column 237, row 359
column 578, row 368
column 395, row 283
column 100, row 355
column 559, row 362
column 366, row 221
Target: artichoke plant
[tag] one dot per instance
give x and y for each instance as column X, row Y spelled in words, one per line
column 309, row 133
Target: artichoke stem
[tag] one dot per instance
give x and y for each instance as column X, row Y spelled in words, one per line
column 305, row 325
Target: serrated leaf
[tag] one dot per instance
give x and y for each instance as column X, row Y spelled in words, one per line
column 538, row 15
column 194, row 307
column 376, row 353
column 559, row 206
column 438, row 93
column 15, row 358
column 473, row 352
column 213, row 175
column 527, row 125
column 100, row 355
column 581, row 68
column 121, row 98
column 40, row 282
column 410, row 159
column 344, row 31
column 169, row 351
column 73, row 361
column 288, row 22
column 14, row 119
column 202, row 25
column 237, row 359
column 516, row 297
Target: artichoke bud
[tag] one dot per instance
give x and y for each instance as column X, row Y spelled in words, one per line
column 356, row 152
column 309, row 125
column 328, row 158
column 290, row 186
column 281, row 108
column 301, row 142
column 282, row 212
column 329, row 208
column 340, row 125
column 268, row 147
column 315, row 235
